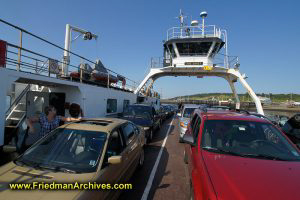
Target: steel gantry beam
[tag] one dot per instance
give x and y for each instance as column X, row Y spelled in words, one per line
column 231, row 75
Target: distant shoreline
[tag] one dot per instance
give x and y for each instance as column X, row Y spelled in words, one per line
column 280, row 109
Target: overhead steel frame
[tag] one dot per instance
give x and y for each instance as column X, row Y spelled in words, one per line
column 231, row 75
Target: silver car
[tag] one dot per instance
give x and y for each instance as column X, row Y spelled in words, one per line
column 184, row 118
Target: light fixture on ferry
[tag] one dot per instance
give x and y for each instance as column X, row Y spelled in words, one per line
column 236, row 66
column 203, row 14
column 87, row 36
column 194, row 23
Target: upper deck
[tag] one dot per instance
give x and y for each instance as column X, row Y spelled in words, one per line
column 34, row 63
column 211, row 31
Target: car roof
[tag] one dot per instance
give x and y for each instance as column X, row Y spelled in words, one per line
column 96, row 124
column 191, row 106
column 228, row 115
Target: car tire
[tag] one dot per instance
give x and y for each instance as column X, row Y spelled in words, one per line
column 150, row 136
column 141, row 159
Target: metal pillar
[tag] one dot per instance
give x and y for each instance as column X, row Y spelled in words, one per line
column 151, row 73
column 20, row 53
column 237, row 104
column 66, row 59
column 256, row 100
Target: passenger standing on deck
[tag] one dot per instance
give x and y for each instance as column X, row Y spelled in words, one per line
column 48, row 121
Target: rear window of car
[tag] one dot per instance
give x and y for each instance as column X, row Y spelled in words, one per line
column 145, row 111
column 187, row 112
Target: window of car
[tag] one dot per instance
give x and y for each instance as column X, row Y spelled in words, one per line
column 187, row 112
column 196, row 127
column 111, row 106
column 116, row 142
column 194, row 117
column 137, row 110
column 247, row 139
column 129, row 132
column 66, row 149
column 115, row 146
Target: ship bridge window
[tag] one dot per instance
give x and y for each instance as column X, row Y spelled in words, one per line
column 171, row 51
column 216, row 48
column 111, row 106
column 193, row 48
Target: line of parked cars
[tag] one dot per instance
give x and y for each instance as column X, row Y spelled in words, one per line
column 233, row 154
column 147, row 117
column 103, row 150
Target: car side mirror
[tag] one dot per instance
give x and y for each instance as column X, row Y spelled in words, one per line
column 188, row 139
column 115, row 160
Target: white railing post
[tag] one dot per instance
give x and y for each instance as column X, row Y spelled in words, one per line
column 214, row 31
column 19, row 53
column 107, row 79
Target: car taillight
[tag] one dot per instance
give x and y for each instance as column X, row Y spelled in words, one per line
column 182, row 124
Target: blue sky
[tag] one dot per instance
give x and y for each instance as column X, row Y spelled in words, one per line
column 263, row 33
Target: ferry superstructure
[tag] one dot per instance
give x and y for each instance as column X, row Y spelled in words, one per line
column 198, row 50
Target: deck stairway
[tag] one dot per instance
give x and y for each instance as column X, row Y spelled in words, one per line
column 15, row 118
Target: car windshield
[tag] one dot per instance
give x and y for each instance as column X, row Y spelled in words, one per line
column 142, row 111
column 248, row 139
column 187, row 112
column 66, row 150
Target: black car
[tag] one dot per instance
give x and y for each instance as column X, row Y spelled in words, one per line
column 163, row 113
column 292, row 129
column 143, row 115
column 168, row 110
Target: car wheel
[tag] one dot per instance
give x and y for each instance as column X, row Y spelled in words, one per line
column 150, row 136
column 141, row 159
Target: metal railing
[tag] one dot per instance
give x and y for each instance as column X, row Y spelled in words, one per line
column 159, row 62
column 219, row 60
column 193, row 32
column 225, row 60
column 27, row 60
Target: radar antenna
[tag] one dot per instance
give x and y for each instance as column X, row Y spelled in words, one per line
column 181, row 19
